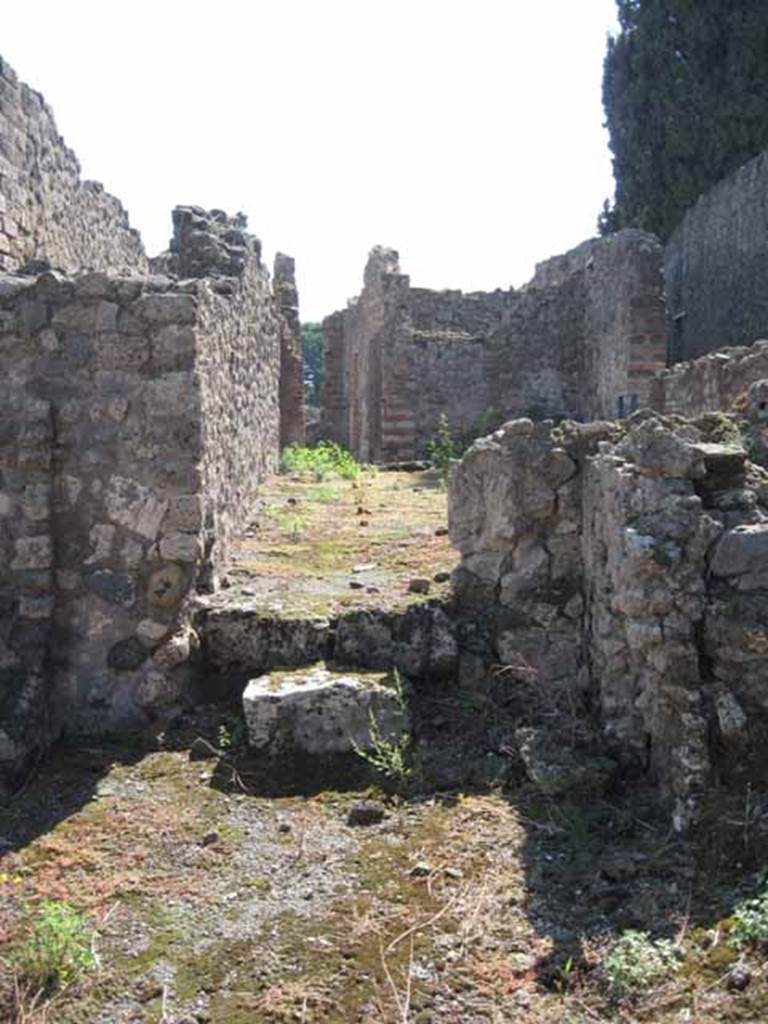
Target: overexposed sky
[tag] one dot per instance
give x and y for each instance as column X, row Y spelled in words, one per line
column 467, row 134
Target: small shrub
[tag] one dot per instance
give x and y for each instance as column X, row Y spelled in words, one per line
column 442, row 449
column 636, row 959
column 230, row 734
column 57, row 948
column 324, row 460
column 448, row 445
column 388, row 758
column 751, row 921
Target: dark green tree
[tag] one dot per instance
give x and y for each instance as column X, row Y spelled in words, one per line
column 685, row 92
column 314, row 366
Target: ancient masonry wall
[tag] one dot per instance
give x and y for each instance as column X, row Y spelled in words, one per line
column 714, row 267
column 712, row 382
column 46, row 211
column 292, row 420
column 138, row 417
column 583, row 339
column 627, row 564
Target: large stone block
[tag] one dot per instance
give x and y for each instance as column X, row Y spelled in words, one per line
column 319, row 712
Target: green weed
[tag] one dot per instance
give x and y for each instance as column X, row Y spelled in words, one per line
column 636, row 959
column 326, row 494
column 57, row 948
column 751, row 920
column 443, row 448
column 448, row 444
column 324, row 460
column 388, row 758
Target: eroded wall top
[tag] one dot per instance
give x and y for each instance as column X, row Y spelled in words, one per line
column 46, row 211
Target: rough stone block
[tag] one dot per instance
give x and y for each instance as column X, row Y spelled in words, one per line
column 135, row 506
column 33, row 553
column 743, row 552
column 181, row 547
column 320, row 712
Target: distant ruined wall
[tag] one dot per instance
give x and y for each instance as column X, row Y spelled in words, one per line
column 582, row 340
column 139, row 415
column 714, row 267
column 292, row 421
column 334, row 400
column 712, row 382
column 46, row 211
column 623, row 567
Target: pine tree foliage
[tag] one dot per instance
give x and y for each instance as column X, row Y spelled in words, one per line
column 685, row 92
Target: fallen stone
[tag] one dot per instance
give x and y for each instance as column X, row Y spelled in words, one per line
column 738, row 978
column 366, row 812
column 202, row 750
column 420, row 870
column 319, row 712
column 419, row 586
column 441, row 577
column 731, row 717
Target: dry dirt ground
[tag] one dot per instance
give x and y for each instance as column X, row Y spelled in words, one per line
column 473, row 900
column 335, row 545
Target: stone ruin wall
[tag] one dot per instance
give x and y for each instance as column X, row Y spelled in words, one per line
column 46, row 211
column 140, row 415
column 623, row 568
column 583, row 339
column 713, row 382
column 139, row 411
column 292, row 413
column 714, row 267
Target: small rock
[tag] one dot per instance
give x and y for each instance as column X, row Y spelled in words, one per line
column 523, row 998
column 209, row 838
column 420, row 870
column 366, row 812
column 147, row 990
column 372, row 590
column 419, row 586
column 441, row 531
column 356, row 585
column 283, row 827
column 365, row 567
column 201, row 750
column 456, row 873
column 738, row 978
column 441, row 577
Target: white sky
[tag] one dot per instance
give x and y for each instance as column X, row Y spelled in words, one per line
column 464, row 133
